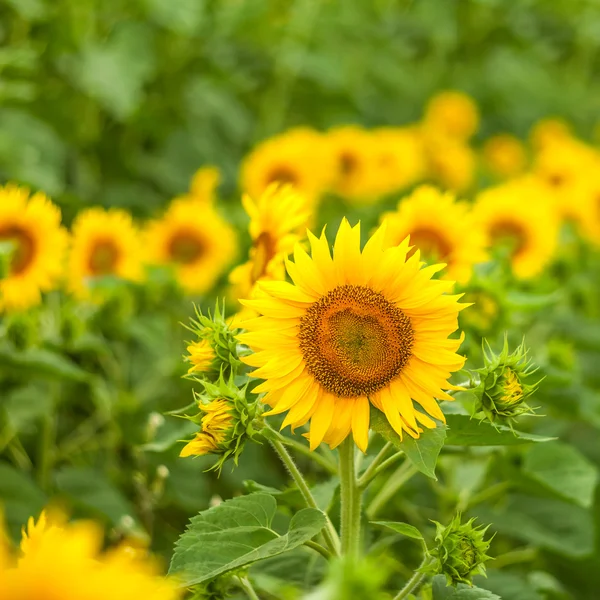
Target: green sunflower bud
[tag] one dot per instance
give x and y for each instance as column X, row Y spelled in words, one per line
column 502, row 393
column 216, row 350
column 460, row 552
column 227, row 419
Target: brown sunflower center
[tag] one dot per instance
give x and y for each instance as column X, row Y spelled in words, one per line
column 510, row 235
column 348, row 163
column 354, row 341
column 103, row 258
column 282, row 174
column 265, row 248
column 24, row 250
column 431, row 243
column 185, row 247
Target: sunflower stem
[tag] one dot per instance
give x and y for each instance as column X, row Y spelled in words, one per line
column 247, row 586
column 414, row 582
column 318, row 548
column 351, row 497
column 369, row 473
column 324, row 462
column 393, row 484
column 329, row 532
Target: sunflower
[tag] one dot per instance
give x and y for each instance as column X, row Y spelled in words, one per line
column 204, row 184
column 278, row 220
column 450, row 162
column 441, row 228
column 504, row 155
column 300, row 157
column 65, row 560
column 452, row 113
column 400, row 158
column 548, row 131
column 193, row 238
column 216, row 423
column 355, row 163
column 357, row 329
column 518, row 214
column 31, row 225
column 104, row 243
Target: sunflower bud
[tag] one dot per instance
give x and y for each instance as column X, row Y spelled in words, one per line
column 227, row 420
column 460, row 552
column 216, row 349
column 502, row 393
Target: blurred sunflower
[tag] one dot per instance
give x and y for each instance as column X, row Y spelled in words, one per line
column 65, row 561
column 452, row 113
column 504, row 155
column 298, row 157
column 517, row 215
column 104, row 243
column 204, row 184
column 441, row 228
column 356, row 175
column 548, row 131
column 400, row 158
column 450, row 162
column 193, row 238
column 357, row 329
column 278, row 220
column 38, row 244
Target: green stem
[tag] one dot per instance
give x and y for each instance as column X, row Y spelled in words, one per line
column 351, row 500
column 329, row 532
column 46, row 450
column 393, row 484
column 318, row 548
column 414, row 582
column 368, row 475
column 248, row 588
column 302, row 449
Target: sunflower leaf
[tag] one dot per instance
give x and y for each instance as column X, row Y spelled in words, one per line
column 422, row 452
column 237, row 533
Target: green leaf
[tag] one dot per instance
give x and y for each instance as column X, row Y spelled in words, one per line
column 236, row 534
column 560, row 526
column 170, row 433
column 403, row 528
column 38, row 361
column 25, row 405
column 465, row 431
column 442, row 591
column 91, row 490
column 564, row 470
column 423, row 452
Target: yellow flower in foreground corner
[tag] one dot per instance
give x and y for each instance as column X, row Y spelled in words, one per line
column 32, row 224
column 519, row 215
column 504, row 155
column 105, row 243
column 278, row 220
column 441, row 228
column 357, row 329
column 65, row 561
column 193, row 238
column 452, row 113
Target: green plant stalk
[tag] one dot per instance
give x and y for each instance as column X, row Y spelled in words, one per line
column 247, row 586
column 302, row 449
column 414, row 582
column 394, row 483
column 329, row 532
column 371, row 470
column 46, row 450
column 351, row 497
column 318, row 548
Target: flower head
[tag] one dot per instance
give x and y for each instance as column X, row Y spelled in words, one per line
column 105, row 243
column 504, row 155
column 195, row 240
column 502, row 393
column 34, row 245
column 357, row 329
column 460, row 551
column 441, row 228
column 453, row 114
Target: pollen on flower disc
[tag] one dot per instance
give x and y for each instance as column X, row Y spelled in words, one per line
column 354, row 341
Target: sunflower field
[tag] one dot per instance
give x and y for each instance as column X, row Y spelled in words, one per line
column 299, row 300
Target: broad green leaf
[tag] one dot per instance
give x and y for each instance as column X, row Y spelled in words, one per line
column 465, row 431
column 423, row 452
column 25, row 405
column 560, row 526
column 41, row 362
column 442, row 591
column 403, row 528
column 236, row 534
column 509, row 585
column 564, row 470
column 89, row 489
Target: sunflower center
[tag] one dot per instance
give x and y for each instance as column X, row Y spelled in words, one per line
column 282, row 174
column 265, row 248
column 185, row 247
column 509, row 235
column 103, row 258
column 348, row 163
column 354, row 341
column 24, row 250
column 430, row 243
